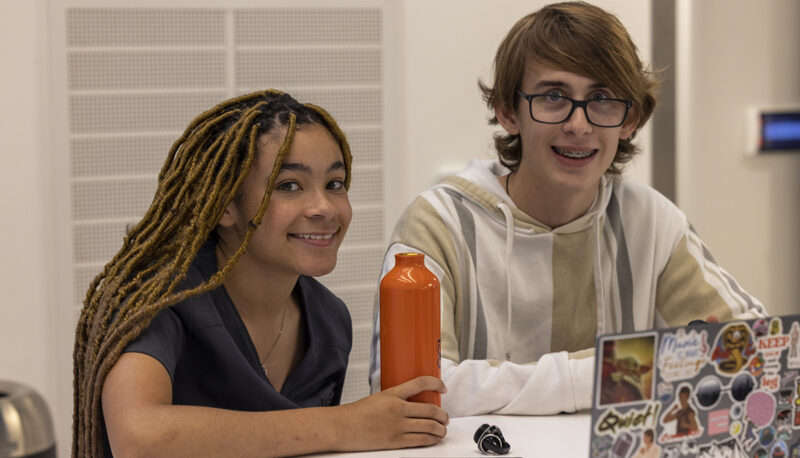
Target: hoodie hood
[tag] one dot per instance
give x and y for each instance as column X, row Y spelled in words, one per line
column 478, row 183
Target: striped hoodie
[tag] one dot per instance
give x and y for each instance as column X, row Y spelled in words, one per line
column 522, row 302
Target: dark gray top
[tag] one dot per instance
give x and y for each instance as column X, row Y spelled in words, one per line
column 205, row 347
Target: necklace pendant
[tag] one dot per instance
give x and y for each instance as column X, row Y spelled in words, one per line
column 264, row 368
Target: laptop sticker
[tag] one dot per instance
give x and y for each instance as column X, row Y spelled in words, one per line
column 707, row 390
column 627, row 370
column 733, row 349
column 682, row 355
column 680, row 420
column 793, row 361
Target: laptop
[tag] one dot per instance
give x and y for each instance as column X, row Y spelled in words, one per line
column 707, row 390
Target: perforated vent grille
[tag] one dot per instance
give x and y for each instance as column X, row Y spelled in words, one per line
column 149, row 112
column 296, row 26
column 146, row 69
column 137, row 77
column 343, row 66
column 105, row 27
column 111, row 198
column 368, row 143
column 99, row 241
column 119, row 155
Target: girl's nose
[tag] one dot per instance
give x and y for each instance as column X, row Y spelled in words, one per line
column 319, row 205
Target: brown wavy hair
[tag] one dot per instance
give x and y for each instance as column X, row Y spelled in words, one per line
column 202, row 174
column 576, row 37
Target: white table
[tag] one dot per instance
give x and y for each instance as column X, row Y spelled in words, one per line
column 529, row 436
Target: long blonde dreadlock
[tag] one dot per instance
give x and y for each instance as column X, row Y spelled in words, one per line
column 202, row 174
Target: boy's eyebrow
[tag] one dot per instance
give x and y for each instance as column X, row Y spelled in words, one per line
column 556, row 83
column 299, row 166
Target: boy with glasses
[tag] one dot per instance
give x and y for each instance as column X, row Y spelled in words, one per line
column 546, row 247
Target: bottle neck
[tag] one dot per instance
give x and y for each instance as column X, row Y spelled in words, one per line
column 409, row 259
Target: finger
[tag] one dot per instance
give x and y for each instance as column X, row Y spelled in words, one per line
column 423, row 426
column 419, row 440
column 417, row 385
column 712, row 319
column 426, row 411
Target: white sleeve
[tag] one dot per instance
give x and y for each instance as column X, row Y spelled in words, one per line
column 556, row 383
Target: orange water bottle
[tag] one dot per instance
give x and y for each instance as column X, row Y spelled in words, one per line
column 410, row 325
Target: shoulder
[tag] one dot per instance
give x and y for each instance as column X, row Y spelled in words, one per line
column 477, row 183
column 427, row 216
column 328, row 316
column 651, row 223
column 456, row 197
column 637, row 201
column 635, row 193
column 200, row 310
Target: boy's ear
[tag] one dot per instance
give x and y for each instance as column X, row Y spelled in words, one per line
column 629, row 127
column 506, row 118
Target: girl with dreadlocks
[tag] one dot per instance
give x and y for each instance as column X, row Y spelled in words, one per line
column 206, row 335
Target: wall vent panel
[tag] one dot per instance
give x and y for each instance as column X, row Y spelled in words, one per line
column 128, row 70
column 310, row 67
column 304, row 27
column 117, row 27
column 367, row 142
column 119, row 155
column 143, row 112
column 97, row 243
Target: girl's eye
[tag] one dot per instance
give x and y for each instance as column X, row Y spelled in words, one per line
column 288, row 186
column 336, row 185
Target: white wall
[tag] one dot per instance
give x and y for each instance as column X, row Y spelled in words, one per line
column 735, row 54
column 26, row 325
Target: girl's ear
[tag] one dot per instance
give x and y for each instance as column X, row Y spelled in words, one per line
column 230, row 216
column 507, row 119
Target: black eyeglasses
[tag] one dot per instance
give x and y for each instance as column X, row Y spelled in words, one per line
column 555, row 109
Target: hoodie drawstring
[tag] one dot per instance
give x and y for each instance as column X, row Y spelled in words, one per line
column 600, row 284
column 509, row 247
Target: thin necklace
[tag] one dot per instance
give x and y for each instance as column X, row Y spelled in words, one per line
column 280, row 333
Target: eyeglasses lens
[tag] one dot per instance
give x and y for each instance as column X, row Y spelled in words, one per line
column 708, row 392
column 606, row 112
column 742, row 386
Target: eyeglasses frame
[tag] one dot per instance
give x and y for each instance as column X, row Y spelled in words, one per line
column 729, row 388
column 575, row 104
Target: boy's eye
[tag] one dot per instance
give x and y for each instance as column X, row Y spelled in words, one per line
column 599, row 96
column 288, row 186
column 553, row 95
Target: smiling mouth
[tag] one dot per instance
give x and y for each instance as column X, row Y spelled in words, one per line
column 574, row 154
column 313, row 236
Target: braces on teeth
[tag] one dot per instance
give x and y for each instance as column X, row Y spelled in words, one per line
column 574, row 154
